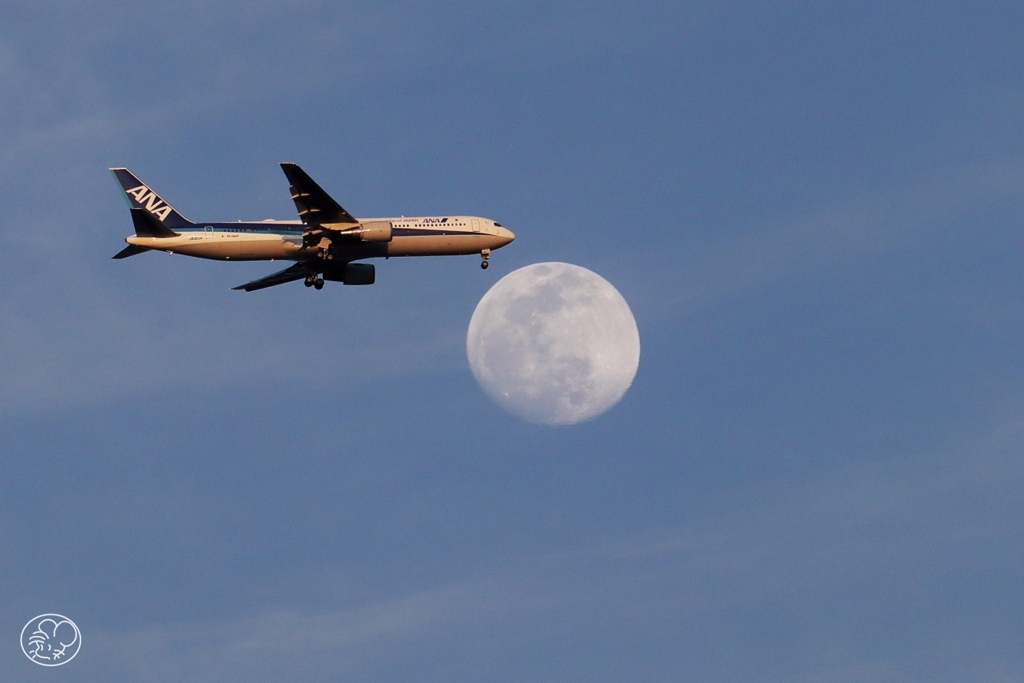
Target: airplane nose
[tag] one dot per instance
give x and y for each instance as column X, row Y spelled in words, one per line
column 505, row 235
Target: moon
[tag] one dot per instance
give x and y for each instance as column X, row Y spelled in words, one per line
column 554, row 344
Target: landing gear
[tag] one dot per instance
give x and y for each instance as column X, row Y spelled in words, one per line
column 309, row 281
column 484, row 254
column 314, row 281
column 318, row 283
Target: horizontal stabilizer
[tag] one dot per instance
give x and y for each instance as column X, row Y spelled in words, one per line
column 130, row 250
column 148, row 225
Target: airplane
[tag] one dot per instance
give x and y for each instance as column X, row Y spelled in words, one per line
column 325, row 242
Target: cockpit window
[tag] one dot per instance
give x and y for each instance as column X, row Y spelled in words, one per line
column 498, row 225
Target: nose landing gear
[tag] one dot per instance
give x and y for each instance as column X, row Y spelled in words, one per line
column 484, row 255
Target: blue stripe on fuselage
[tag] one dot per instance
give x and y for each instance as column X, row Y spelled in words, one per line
column 292, row 229
column 261, row 228
column 428, row 232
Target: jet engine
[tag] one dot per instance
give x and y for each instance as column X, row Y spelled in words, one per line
column 352, row 274
column 370, row 231
column 360, row 273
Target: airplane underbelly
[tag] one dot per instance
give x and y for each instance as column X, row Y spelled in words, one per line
column 240, row 249
column 260, row 250
column 439, row 245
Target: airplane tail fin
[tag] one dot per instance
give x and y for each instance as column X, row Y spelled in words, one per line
column 141, row 198
column 148, row 225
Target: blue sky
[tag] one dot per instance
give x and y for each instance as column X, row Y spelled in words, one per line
column 813, row 209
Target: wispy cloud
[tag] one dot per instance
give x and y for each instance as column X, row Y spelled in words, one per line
column 826, row 568
column 73, row 338
column 894, row 220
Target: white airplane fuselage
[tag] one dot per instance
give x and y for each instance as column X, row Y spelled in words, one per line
column 271, row 240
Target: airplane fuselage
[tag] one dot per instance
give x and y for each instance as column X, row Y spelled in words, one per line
column 272, row 239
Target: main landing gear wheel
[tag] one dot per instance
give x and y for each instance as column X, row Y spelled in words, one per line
column 309, row 281
column 319, row 283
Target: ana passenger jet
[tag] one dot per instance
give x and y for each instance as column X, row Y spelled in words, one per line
column 324, row 243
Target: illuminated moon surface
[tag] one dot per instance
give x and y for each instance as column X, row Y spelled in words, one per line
column 554, row 344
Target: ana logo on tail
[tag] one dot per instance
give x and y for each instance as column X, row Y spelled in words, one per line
column 148, row 200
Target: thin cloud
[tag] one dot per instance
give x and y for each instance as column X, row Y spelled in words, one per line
column 850, row 539
column 890, row 221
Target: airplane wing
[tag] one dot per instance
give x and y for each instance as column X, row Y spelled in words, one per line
column 316, row 208
column 289, row 274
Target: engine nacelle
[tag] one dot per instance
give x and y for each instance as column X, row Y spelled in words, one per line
column 352, row 274
column 360, row 273
column 370, row 231
column 375, row 231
